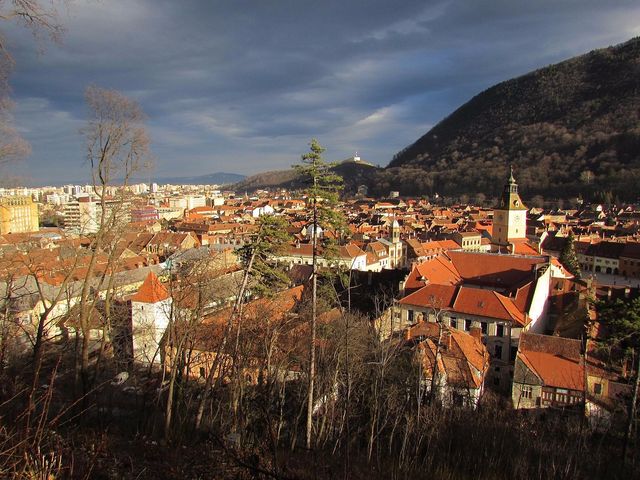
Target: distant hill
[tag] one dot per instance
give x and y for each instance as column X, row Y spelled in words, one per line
column 568, row 129
column 219, row 178
column 354, row 172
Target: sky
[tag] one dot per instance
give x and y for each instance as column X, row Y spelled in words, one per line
column 242, row 86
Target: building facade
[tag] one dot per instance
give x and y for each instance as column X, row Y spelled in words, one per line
column 18, row 215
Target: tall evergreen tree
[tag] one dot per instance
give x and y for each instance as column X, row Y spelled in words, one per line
column 323, row 192
column 568, row 256
column 623, row 321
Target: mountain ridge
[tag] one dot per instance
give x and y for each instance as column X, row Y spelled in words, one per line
column 568, row 129
column 354, row 173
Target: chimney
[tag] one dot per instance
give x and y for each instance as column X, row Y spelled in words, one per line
column 446, row 340
column 476, row 332
column 407, row 334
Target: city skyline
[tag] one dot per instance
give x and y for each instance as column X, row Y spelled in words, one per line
column 242, row 88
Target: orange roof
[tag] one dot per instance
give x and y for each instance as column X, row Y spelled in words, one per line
column 522, row 247
column 433, row 295
column 487, row 303
column 554, row 370
column 151, row 290
column 464, row 359
column 468, row 300
column 495, row 270
column 437, row 270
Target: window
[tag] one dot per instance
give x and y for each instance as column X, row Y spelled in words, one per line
column 484, row 327
column 526, row 391
column 467, row 325
column 500, row 330
column 513, row 353
column 453, row 323
column 410, row 315
column 597, row 388
column 498, row 351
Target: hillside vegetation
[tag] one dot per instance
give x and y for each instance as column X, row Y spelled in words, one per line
column 354, row 174
column 568, row 129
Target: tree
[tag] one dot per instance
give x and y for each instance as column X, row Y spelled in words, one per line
column 256, row 259
column 623, row 321
column 323, row 190
column 568, row 256
column 117, row 146
column 39, row 19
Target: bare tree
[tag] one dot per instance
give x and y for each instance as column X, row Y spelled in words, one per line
column 41, row 18
column 256, row 259
column 117, row 147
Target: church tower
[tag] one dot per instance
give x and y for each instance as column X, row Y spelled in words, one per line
column 395, row 231
column 510, row 216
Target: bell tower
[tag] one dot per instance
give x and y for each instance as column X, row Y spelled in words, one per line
column 395, row 231
column 510, row 216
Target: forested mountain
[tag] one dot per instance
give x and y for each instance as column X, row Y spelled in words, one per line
column 353, row 173
column 568, row 129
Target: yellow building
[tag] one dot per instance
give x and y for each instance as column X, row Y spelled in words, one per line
column 18, row 215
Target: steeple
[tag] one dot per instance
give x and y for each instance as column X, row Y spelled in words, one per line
column 395, row 231
column 509, row 217
column 510, row 199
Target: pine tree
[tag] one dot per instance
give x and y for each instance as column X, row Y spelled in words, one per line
column 568, row 256
column 622, row 319
column 323, row 191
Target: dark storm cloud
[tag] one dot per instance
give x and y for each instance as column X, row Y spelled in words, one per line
column 242, row 86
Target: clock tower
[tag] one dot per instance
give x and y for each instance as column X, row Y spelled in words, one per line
column 510, row 216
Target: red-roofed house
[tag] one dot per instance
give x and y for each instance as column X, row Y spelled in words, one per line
column 548, row 372
column 459, row 364
column 502, row 295
column 348, row 256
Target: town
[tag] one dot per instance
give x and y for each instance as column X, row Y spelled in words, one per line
column 319, row 240
column 479, row 295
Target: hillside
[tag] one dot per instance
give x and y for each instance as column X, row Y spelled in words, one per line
column 354, row 174
column 568, row 129
column 219, row 178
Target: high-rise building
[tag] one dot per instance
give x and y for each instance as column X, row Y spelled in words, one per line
column 83, row 215
column 18, row 214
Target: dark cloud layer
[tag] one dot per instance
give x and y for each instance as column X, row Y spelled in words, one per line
column 242, row 86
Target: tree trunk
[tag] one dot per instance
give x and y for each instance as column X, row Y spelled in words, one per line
column 314, row 306
column 632, row 410
column 216, row 360
column 434, row 374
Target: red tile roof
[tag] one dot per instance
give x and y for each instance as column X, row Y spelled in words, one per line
column 554, row 370
column 463, row 358
column 151, row 290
